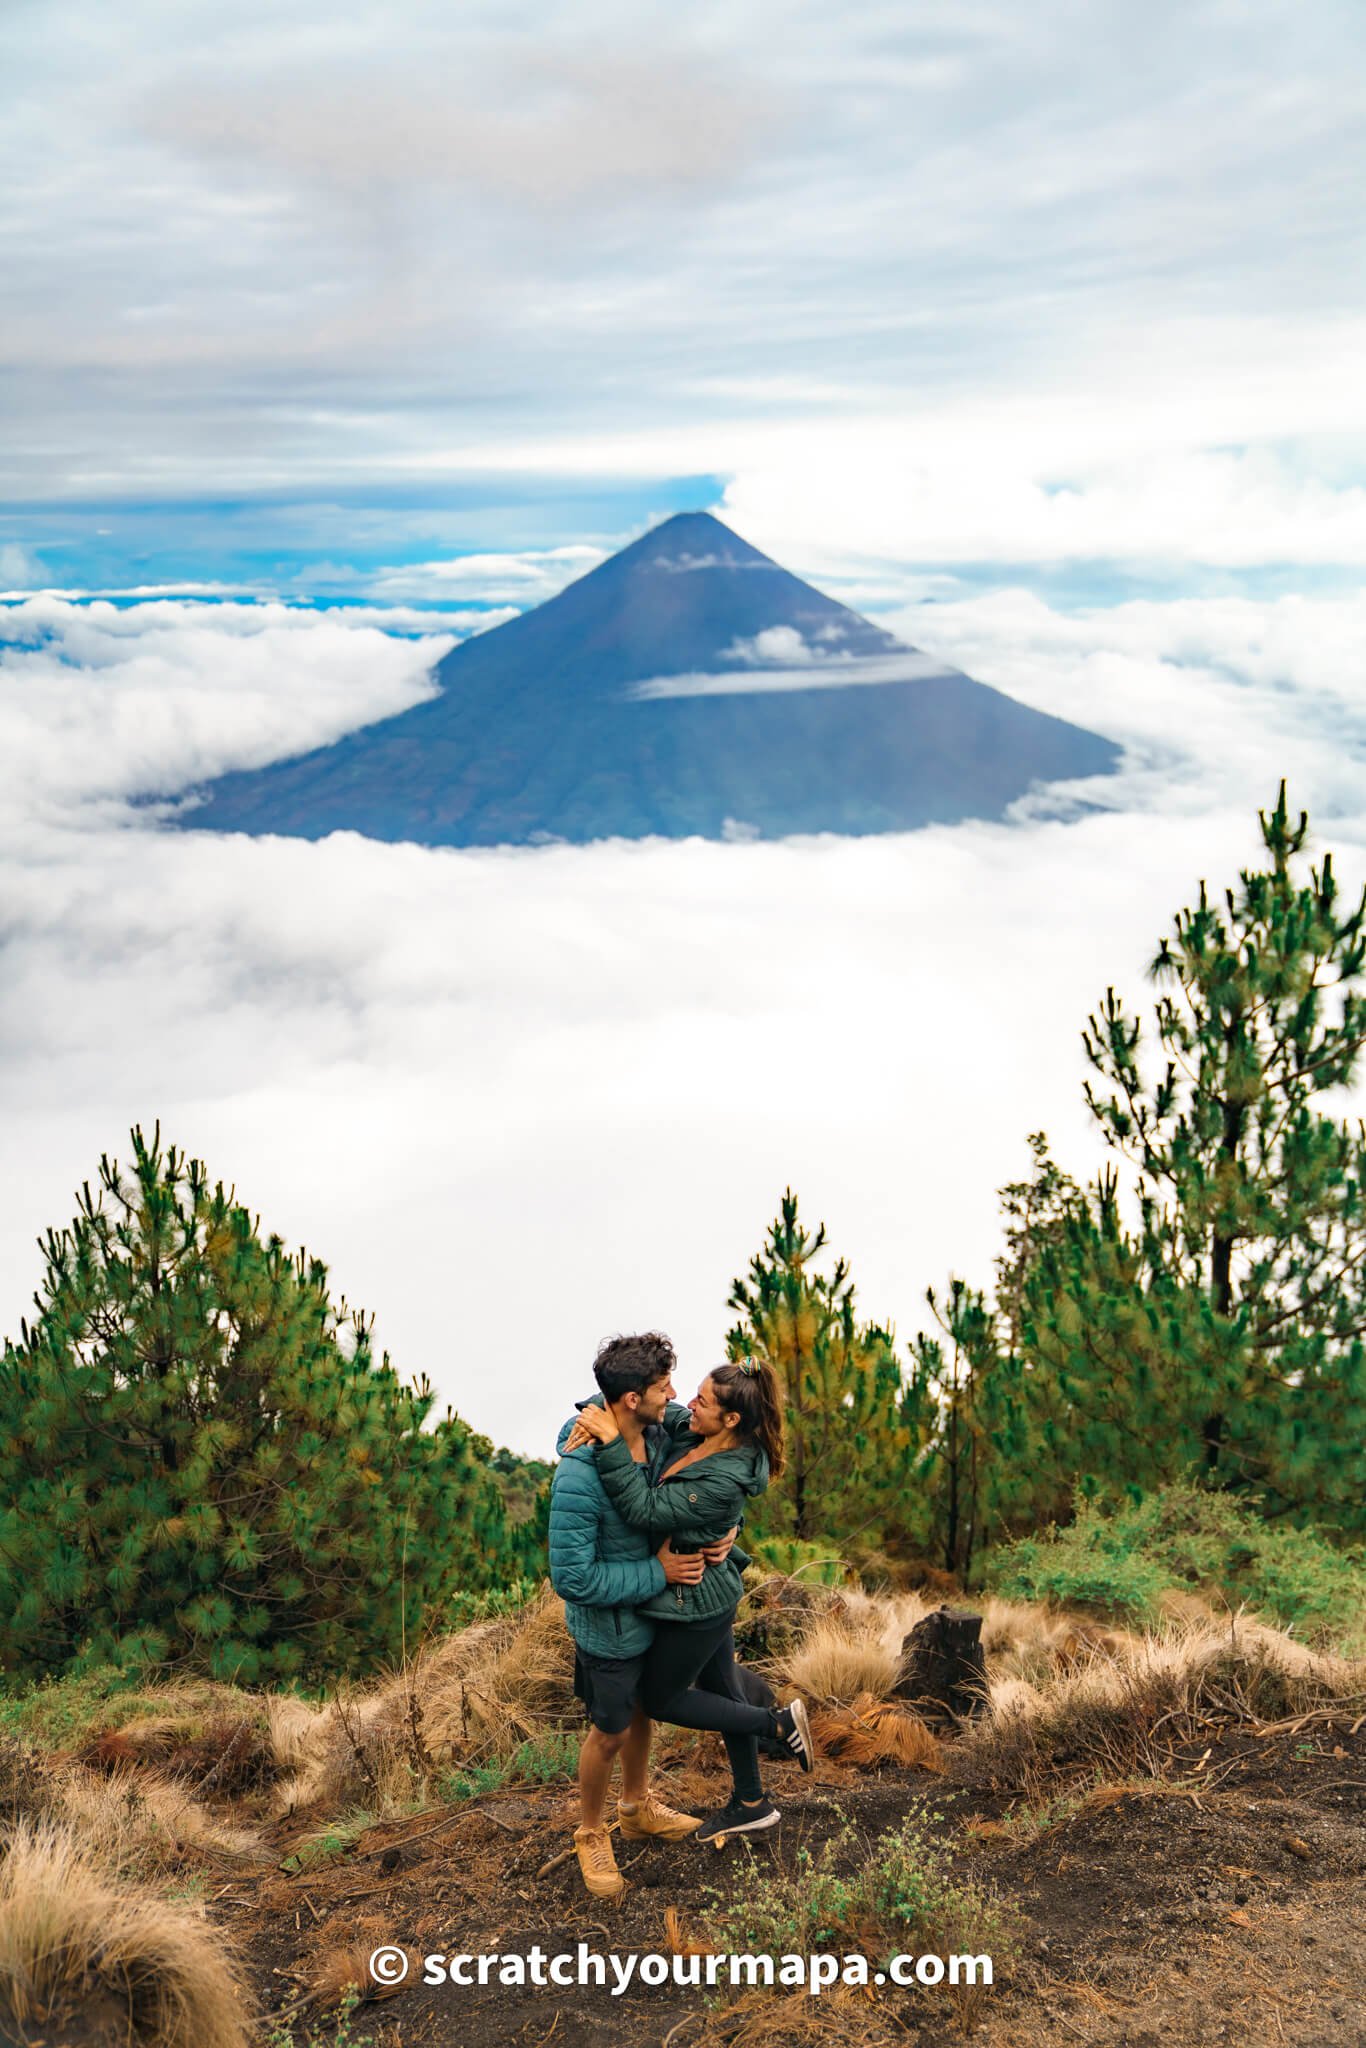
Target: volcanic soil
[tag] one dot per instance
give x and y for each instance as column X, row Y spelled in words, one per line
column 1223, row 1904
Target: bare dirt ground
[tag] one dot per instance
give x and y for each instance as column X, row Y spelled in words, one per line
column 1231, row 1909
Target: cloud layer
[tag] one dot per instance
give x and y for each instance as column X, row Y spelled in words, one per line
column 519, row 1099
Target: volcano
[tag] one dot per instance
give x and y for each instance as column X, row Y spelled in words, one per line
column 688, row 686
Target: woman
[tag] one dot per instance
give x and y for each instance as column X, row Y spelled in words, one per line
column 713, row 1456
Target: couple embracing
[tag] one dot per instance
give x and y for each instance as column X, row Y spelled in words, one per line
column 645, row 1507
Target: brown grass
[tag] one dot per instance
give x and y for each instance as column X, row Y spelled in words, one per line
column 132, row 1821
column 343, row 1970
column 222, row 1755
column 144, row 1826
column 769, row 2020
column 871, row 1731
column 72, row 1940
column 473, row 1695
column 1121, row 1708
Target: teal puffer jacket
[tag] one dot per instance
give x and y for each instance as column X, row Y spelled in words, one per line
column 698, row 1507
column 602, row 1569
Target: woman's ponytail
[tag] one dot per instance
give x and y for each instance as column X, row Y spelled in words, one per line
column 751, row 1389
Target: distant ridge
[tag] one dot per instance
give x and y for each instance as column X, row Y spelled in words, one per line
column 687, row 686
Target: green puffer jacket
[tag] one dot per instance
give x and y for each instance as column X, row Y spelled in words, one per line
column 601, row 1568
column 698, row 1507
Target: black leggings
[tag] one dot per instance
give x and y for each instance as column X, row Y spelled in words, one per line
column 690, row 1679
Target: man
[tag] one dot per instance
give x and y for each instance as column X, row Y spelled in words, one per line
column 603, row 1570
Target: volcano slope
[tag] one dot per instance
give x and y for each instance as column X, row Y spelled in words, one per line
column 687, row 686
column 1159, row 1838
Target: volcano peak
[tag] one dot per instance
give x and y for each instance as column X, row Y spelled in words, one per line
column 664, row 694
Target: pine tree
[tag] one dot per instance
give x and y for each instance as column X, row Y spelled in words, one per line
column 956, row 1368
column 203, row 1464
column 1230, row 1327
column 1103, row 1391
column 854, row 1431
column 1036, row 1213
column 993, row 1409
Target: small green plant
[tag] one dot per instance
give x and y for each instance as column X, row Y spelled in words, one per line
column 464, row 1607
column 330, row 1842
column 779, row 1911
column 810, row 1561
column 905, row 1879
column 1028, row 1820
column 890, row 1898
column 541, row 1760
column 191, row 1891
column 335, row 2034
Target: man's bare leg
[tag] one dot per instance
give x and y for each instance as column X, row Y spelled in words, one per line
column 597, row 1754
column 635, row 1758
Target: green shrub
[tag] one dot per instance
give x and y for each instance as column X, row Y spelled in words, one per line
column 59, row 1711
column 1077, row 1567
column 463, row 1607
column 1121, row 1560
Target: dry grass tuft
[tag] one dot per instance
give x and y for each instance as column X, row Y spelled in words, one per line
column 1120, row 1707
column 519, row 1675
column 888, row 1616
column 339, row 1972
column 837, row 1660
column 294, row 1726
column 160, row 1819
column 474, row 1695
column 225, row 1755
column 132, row 1823
column 842, row 2018
column 872, row 1731
column 71, row 1940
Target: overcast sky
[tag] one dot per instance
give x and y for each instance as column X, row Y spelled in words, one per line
column 1034, row 333
column 1076, row 283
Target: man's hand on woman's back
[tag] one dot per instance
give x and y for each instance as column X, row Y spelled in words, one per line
column 678, row 1569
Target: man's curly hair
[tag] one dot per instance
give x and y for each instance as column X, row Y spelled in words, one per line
column 628, row 1365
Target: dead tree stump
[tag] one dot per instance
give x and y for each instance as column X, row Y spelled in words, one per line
column 943, row 1670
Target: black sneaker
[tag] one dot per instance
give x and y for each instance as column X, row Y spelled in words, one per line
column 794, row 1732
column 738, row 1819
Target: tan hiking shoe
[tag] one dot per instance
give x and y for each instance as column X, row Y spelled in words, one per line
column 652, row 1818
column 593, row 1847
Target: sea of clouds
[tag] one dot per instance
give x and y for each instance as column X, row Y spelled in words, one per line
column 520, row 1099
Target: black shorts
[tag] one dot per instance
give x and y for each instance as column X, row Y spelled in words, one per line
column 609, row 1688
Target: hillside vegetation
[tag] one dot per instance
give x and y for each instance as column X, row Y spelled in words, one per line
column 258, row 1844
